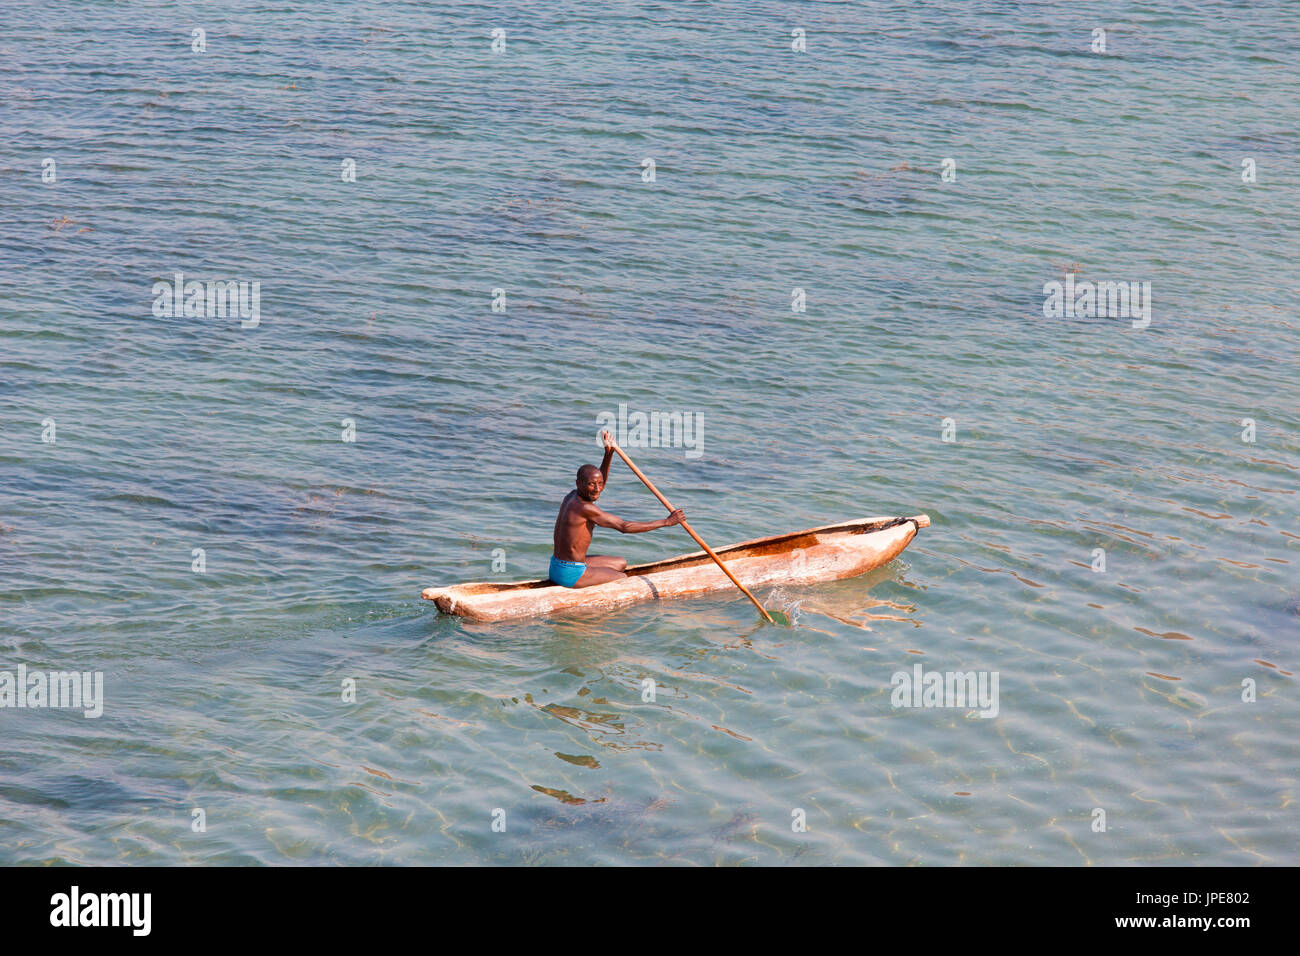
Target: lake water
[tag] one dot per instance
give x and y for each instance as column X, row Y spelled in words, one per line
column 774, row 170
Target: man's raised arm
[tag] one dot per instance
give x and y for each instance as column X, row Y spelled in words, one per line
column 604, row 463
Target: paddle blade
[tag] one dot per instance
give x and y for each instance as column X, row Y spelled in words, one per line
column 781, row 607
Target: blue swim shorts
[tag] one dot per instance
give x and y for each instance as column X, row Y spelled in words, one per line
column 566, row 573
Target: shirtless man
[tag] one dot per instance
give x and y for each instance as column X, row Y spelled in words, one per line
column 571, row 566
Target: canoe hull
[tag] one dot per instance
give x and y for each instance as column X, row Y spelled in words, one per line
column 828, row 553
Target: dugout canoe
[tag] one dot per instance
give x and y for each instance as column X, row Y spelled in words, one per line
column 827, row 553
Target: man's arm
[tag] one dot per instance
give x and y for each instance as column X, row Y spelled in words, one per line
column 606, row 520
column 604, row 462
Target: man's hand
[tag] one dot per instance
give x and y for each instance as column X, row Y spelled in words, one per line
column 609, row 441
column 675, row 518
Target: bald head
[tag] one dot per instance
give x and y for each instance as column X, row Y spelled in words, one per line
column 590, row 482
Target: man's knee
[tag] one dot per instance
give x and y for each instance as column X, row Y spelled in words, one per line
column 598, row 575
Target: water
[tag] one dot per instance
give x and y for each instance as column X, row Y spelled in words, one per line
column 1119, row 690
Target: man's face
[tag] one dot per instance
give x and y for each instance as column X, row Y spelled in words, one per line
column 590, row 486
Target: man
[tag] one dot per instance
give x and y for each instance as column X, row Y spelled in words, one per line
column 571, row 566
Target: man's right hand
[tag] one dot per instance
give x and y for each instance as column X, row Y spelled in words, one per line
column 675, row 518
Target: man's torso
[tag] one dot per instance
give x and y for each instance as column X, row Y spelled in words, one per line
column 572, row 530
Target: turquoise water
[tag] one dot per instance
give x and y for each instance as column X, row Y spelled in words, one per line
column 774, row 170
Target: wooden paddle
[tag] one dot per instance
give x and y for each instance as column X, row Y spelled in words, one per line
column 689, row 530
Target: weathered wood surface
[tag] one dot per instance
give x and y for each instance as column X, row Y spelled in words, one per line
column 828, row 553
